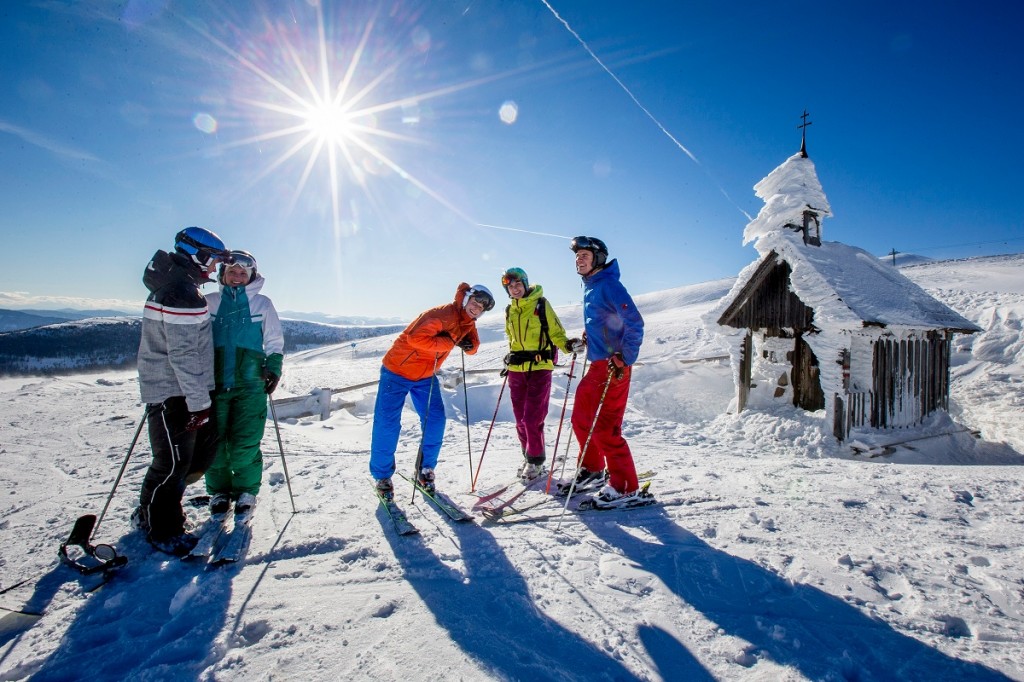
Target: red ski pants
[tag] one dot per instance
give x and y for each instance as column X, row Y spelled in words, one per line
column 607, row 448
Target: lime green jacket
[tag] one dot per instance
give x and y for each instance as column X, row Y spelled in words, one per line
column 522, row 325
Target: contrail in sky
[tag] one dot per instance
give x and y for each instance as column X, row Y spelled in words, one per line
column 43, row 142
column 621, row 84
column 643, row 108
column 516, row 229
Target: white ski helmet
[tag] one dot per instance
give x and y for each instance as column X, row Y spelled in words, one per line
column 240, row 258
column 481, row 294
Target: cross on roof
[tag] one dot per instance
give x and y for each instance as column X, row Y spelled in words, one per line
column 803, row 133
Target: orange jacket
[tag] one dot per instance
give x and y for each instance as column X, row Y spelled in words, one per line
column 420, row 350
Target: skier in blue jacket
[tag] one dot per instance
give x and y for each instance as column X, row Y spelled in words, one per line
column 614, row 330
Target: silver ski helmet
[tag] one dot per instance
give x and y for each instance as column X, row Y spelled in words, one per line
column 241, row 258
column 481, row 294
column 202, row 245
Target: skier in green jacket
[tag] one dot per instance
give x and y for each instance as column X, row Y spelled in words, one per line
column 248, row 354
column 534, row 332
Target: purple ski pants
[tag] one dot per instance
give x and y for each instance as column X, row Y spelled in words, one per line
column 530, row 393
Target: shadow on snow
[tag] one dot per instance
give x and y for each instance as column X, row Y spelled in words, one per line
column 795, row 625
column 489, row 612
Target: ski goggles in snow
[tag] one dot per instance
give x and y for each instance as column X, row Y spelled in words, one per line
column 85, row 557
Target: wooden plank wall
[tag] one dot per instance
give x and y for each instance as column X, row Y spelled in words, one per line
column 911, row 380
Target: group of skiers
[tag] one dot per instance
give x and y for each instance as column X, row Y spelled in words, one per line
column 207, row 364
column 613, row 332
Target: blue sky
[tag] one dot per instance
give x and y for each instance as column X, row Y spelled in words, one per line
column 475, row 135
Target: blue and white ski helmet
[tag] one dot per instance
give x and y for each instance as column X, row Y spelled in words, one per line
column 201, row 244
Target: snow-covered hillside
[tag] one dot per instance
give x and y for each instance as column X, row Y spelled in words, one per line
column 777, row 554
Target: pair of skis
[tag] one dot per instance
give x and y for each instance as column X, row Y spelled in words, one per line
column 223, row 542
column 438, row 499
column 495, row 501
column 504, row 508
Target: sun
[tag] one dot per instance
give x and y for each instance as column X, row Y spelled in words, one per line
column 330, row 123
column 332, row 102
column 327, row 103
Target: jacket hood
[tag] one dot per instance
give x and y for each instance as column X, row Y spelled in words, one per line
column 170, row 268
column 460, row 295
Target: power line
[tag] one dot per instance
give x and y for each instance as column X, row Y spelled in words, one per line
column 952, row 246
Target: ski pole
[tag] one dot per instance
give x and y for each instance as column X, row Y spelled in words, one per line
column 120, row 473
column 583, row 452
column 561, row 420
column 423, row 425
column 488, row 439
column 568, row 441
column 469, row 440
column 280, row 445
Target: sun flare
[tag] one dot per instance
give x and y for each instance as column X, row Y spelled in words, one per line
column 331, row 101
column 330, row 123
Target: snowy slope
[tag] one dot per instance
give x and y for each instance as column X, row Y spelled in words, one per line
column 777, row 554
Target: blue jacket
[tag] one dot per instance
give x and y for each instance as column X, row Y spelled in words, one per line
column 610, row 318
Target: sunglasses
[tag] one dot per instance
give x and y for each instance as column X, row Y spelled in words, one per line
column 507, row 279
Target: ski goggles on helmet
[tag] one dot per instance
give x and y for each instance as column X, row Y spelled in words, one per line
column 247, row 263
column 244, row 260
column 584, row 242
column 511, row 277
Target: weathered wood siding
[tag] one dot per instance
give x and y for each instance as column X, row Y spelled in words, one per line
column 910, row 379
column 770, row 306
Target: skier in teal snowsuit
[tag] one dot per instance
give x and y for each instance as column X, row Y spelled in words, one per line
column 248, row 354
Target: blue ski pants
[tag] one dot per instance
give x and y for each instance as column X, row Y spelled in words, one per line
column 387, row 420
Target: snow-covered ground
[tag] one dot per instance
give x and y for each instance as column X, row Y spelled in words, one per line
column 777, row 554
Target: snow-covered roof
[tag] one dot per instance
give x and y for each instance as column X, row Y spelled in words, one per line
column 846, row 286
column 787, row 192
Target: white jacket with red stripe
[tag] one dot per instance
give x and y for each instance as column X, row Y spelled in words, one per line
column 176, row 350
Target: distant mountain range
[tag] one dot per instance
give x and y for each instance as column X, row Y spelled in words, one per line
column 13, row 320
column 113, row 342
column 351, row 320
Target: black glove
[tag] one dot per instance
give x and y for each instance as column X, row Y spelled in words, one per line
column 197, row 420
column 466, row 343
column 576, row 346
column 270, row 381
column 617, row 364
